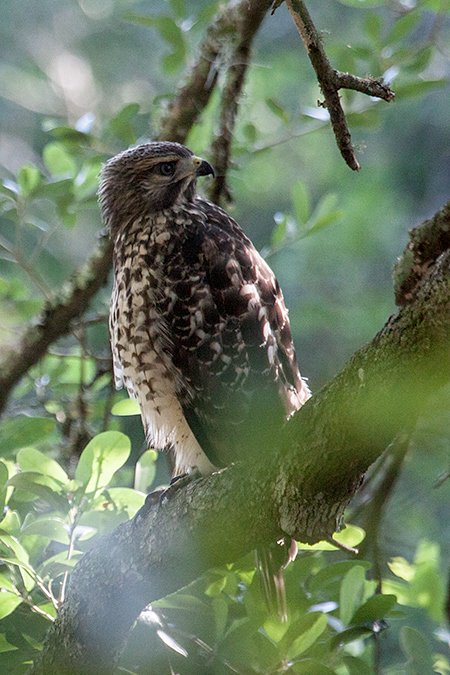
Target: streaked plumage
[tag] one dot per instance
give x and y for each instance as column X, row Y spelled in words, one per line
column 199, row 330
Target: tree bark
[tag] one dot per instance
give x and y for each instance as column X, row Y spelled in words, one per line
column 301, row 488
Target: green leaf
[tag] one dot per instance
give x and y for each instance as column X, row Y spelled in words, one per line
column 277, row 110
column 4, row 473
column 349, row 635
column 215, row 588
column 28, row 179
column 352, row 592
column 180, row 601
column 331, row 573
column 418, row 88
column 311, row 667
column 220, row 609
column 417, row 650
column 44, row 487
column 357, row 666
column 30, row 459
column 374, row 608
column 6, row 583
column 23, row 431
column 351, row 535
column 57, row 160
column 145, row 471
column 52, row 528
column 402, row 26
column 178, row 8
column 21, row 560
column 126, row 499
column 122, row 124
column 8, row 603
column 101, row 458
column 275, row 628
column 169, row 31
column 325, row 213
column 311, row 628
column 300, row 199
column 373, row 25
column 129, row 406
column 4, row 644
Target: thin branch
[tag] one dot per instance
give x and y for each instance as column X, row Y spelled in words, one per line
column 331, row 80
column 182, row 114
column 246, row 30
column 56, row 319
column 194, row 95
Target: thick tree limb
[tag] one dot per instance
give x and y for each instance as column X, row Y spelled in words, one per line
column 331, row 80
column 302, row 488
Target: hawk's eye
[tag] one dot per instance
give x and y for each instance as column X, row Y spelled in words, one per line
column 166, row 168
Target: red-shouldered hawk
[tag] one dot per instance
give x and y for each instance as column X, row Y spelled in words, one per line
column 200, row 333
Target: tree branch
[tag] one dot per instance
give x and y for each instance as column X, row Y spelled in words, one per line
column 246, row 30
column 331, row 80
column 185, row 109
column 194, row 96
column 56, row 319
column 301, row 488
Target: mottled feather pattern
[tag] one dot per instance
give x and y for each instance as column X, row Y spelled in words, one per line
column 199, row 330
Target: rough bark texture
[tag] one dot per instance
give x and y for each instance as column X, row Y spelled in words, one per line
column 302, row 488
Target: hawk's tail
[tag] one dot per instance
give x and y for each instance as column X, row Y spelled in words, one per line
column 270, row 563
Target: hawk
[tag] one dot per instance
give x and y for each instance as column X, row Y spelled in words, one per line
column 200, row 333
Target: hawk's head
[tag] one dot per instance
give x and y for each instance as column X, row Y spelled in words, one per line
column 148, row 178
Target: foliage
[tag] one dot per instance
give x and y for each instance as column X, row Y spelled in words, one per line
column 67, row 471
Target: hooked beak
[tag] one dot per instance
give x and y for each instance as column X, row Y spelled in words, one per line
column 203, row 168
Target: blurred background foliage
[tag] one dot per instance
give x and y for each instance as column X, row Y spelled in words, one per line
column 82, row 80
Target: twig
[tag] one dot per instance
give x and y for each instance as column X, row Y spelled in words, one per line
column 247, row 27
column 56, row 319
column 331, row 80
column 181, row 115
column 193, row 96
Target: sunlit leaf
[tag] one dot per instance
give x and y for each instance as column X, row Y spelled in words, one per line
column 313, row 626
column 30, row 459
column 101, row 458
column 145, row 471
column 4, row 644
column 129, row 406
column 8, row 603
column 57, row 160
column 28, row 178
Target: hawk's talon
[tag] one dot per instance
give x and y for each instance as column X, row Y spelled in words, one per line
column 176, row 483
